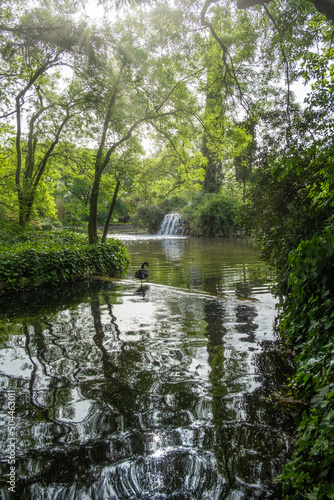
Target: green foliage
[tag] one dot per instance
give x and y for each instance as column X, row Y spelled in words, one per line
column 55, row 257
column 173, row 204
column 148, row 216
column 291, row 212
column 291, row 204
column 214, row 215
column 307, row 323
column 290, row 198
column 156, row 67
column 34, row 40
column 176, row 170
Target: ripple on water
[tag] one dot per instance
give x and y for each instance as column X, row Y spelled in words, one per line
column 153, row 392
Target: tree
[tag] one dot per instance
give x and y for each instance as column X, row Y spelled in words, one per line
column 142, row 84
column 122, row 166
column 7, row 178
column 74, row 175
column 176, row 170
column 35, row 44
column 244, row 163
column 233, row 87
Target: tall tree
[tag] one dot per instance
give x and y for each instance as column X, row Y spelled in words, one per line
column 144, row 82
column 35, row 43
column 253, row 59
column 232, row 86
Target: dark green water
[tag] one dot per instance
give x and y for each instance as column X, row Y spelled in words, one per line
column 153, row 392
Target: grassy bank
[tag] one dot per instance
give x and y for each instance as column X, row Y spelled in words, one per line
column 44, row 258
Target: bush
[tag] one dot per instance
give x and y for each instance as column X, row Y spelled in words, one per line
column 308, row 324
column 49, row 224
column 291, row 205
column 59, row 256
column 148, row 216
column 281, row 210
column 215, row 215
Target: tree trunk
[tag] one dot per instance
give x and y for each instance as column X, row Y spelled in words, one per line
column 213, row 179
column 325, row 7
column 92, row 222
column 245, row 4
column 112, row 206
column 26, row 202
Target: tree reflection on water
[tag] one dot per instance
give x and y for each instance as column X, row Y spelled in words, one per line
column 150, row 395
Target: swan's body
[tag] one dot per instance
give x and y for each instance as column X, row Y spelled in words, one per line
column 142, row 273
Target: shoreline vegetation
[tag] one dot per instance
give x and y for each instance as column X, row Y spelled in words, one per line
column 37, row 257
column 56, row 257
column 201, row 117
column 40, row 257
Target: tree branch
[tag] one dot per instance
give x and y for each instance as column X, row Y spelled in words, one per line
column 43, row 162
column 229, row 66
column 286, row 62
column 49, row 64
column 326, row 7
column 99, row 164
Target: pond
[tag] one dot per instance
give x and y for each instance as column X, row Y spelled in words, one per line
column 115, row 390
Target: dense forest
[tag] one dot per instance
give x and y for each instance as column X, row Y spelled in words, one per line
column 220, row 109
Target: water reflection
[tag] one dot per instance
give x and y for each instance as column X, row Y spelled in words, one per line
column 151, row 392
column 174, row 247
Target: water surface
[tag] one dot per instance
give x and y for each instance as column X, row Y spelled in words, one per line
column 159, row 391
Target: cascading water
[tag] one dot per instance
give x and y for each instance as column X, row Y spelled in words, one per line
column 172, row 225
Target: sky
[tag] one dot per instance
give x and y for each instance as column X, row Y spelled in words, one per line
column 93, row 10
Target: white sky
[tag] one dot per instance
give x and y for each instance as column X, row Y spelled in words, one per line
column 94, row 10
column 300, row 90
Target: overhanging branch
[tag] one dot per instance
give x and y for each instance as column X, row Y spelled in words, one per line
column 227, row 58
column 326, row 7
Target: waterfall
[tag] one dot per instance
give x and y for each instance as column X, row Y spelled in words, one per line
column 172, row 225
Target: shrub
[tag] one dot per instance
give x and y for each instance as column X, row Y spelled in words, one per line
column 148, row 216
column 288, row 202
column 216, row 214
column 56, row 257
column 308, row 324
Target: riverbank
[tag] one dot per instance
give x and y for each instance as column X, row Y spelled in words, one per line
column 43, row 258
column 47, row 258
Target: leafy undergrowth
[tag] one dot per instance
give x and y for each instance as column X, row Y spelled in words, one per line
column 214, row 215
column 308, row 325
column 54, row 257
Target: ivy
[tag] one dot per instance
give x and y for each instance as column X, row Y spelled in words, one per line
column 307, row 323
column 57, row 257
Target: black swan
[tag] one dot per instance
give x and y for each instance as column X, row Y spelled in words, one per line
column 142, row 273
